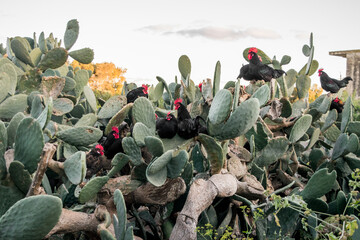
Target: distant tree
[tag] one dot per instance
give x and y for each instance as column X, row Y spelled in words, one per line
column 106, row 76
column 314, row 92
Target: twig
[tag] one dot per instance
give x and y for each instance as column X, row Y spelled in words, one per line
column 47, row 154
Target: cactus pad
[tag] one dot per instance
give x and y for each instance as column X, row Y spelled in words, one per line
column 90, row 190
column 74, row 167
column 80, row 136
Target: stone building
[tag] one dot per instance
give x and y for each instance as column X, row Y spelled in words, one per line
column 352, row 68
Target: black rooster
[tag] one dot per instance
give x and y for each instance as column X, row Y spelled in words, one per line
column 167, row 127
column 330, row 84
column 337, row 104
column 187, row 127
column 137, row 92
column 113, row 143
column 256, row 70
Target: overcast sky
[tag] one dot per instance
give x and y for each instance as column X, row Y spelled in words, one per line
column 148, row 36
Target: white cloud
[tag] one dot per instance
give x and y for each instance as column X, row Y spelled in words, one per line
column 213, row 32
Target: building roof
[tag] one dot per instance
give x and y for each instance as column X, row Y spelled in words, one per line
column 344, row 52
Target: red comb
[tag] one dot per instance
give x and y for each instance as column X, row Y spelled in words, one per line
column 145, row 90
column 336, row 100
column 99, row 149
column 177, row 101
column 253, row 49
column 320, row 70
column 115, row 129
column 200, row 86
column 168, row 117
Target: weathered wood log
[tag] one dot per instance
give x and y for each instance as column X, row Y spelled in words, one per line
column 201, row 195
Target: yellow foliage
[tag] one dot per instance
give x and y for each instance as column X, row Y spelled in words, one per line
column 106, row 78
column 314, row 92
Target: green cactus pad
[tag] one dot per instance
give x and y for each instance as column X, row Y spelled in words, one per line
column 332, row 133
column 29, row 143
column 120, row 226
column 62, row 106
column 90, row 97
column 286, row 110
column 31, row 218
column 290, row 77
column 90, row 190
column 71, row 33
column 35, row 56
column 236, row 95
column 87, row 120
column 81, row 78
column 313, row 67
column 260, row 136
column 53, row 59
column 20, row 176
column 330, row 120
column 353, row 127
column 300, row 128
column 229, row 84
column 340, row 146
column 319, row 184
column 112, row 106
column 21, row 51
column 346, row 115
column 118, row 162
column 157, row 92
column 45, row 115
column 217, row 73
column 240, row 121
column 12, row 128
column 74, row 167
column 285, row 60
column 42, row 43
column 214, row 152
column 184, row 65
column 118, row 118
column 264, row 57
column 143, row 112
column 154, row 145
column 262, row 94
column 78, row 111
column 132, row 150
column 80, row 136
column 12, row 76
column 325, row 105
column 156, row 172
column 314, row 138
column 9, row 196
column 220, row 107
column 166, row 88
column 84, row 55
column 3, row 138
column 353, row 161
column 198, row 159
column 141, row 131
column 275, row 149
column 5, row 85
column 68, row 150
column 303, row 84
column 353, row 143
column 69, row 84
column 172, row 143
column 177, row 163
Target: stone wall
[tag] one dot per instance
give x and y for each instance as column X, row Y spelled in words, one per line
column 352, row 69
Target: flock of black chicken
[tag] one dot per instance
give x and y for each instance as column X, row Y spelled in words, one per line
column 186, row 126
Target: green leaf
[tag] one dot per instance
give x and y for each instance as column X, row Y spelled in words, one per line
column 300, row 128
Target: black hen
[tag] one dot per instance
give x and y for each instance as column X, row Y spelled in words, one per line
column 137, row 92
column 337, row 104
column 113, row 142
column 167, row 127
column 330, row 84
column 256, row 70
column 187, row 127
